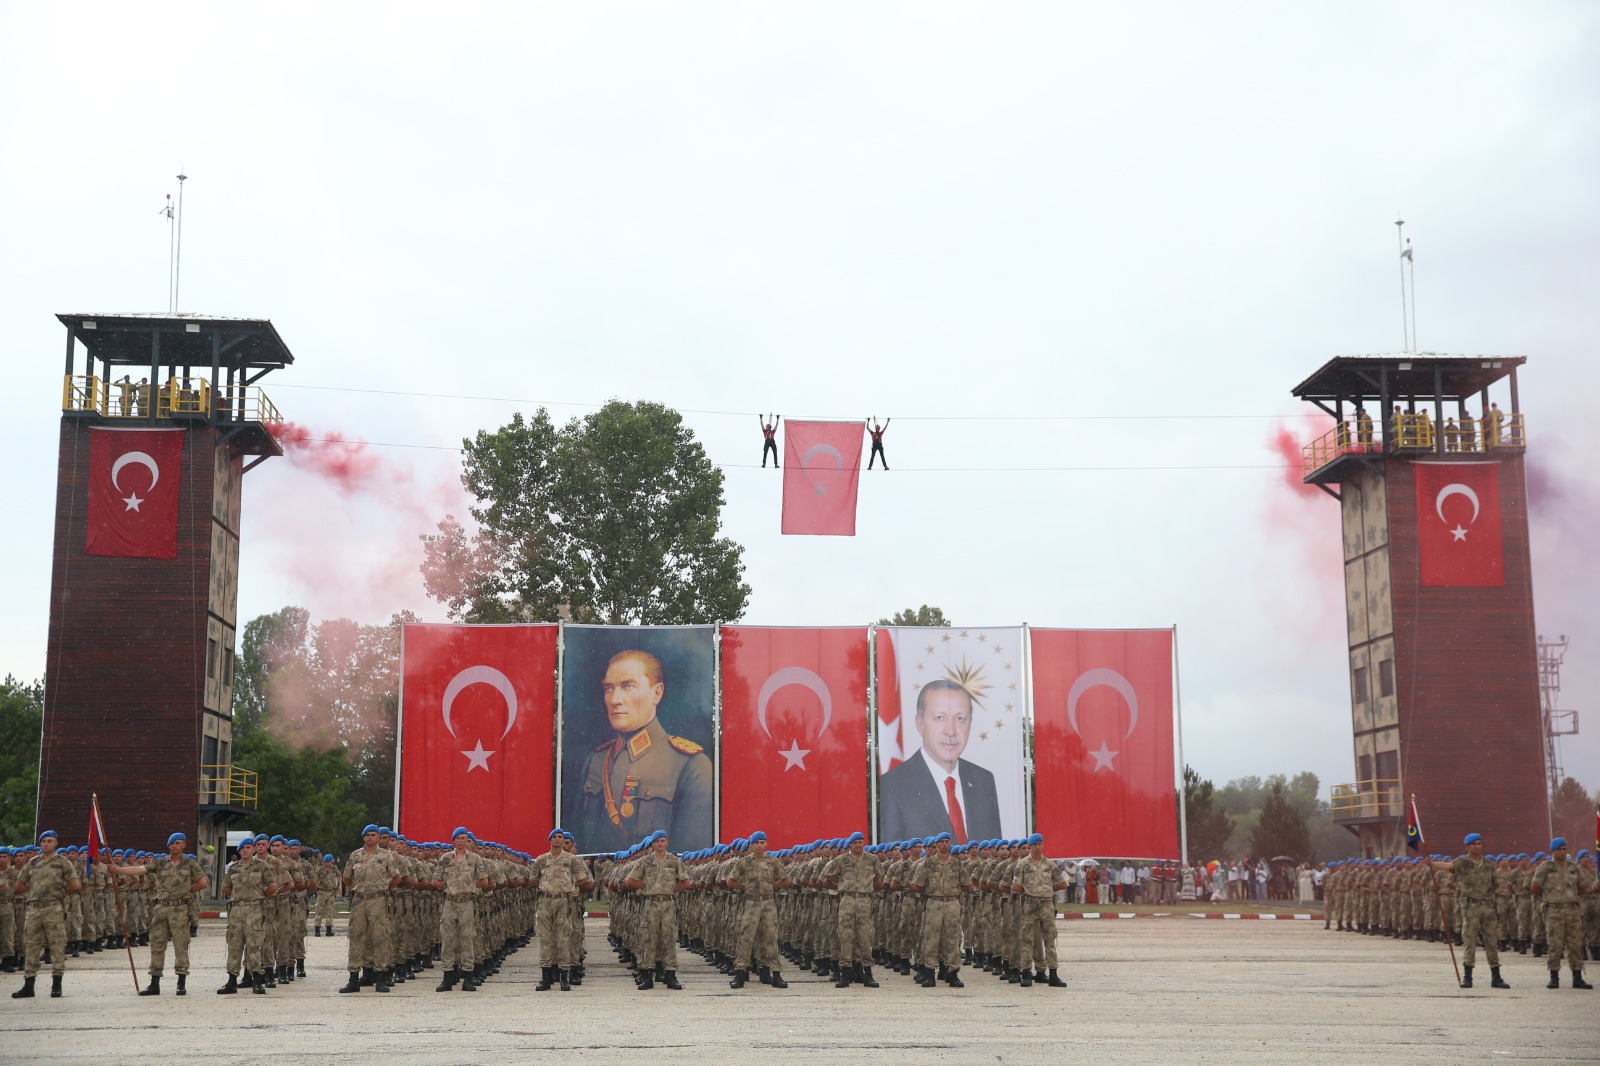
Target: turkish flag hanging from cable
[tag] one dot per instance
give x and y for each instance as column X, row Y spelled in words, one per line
column 133, row 492
column 1103, row 742
column 821, row 473
column 1458, row 524
column 794, row 732
column 477, row 732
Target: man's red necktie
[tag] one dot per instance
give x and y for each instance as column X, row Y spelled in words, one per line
column 958, row 824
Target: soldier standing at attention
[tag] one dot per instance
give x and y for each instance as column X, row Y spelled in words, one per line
column 369, row 874
column 940, row 881
column 44, row 883
column 562, row 877
column 327, row 894
column 1561, row 884
column 658, row 877
column 177, row 878
column 247, row 883
column 462, row 875
column 1475, row 883
column 856, row 875
column 1036, row 883
column 758, row 877
column 8, row 938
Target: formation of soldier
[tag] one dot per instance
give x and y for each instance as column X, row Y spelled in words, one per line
column 1547, row 904
column 836, row 908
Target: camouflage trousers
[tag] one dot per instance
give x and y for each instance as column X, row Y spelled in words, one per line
column 941, row 933
column 1480, row 916
column 247, row 933
column 8, row 933
column 458, row 933
column 555, row 931
column 1563, row 929
column 855, row 930
column 1038, row 926
column 47, row 922
column 325, row 901
column 658, row 939
column 371, row 939
column 169, row 921
column 758, row 935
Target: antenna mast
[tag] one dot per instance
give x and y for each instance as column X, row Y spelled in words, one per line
column 177, row 256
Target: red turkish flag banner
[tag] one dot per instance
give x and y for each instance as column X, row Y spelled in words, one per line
column 1458, row 525
column 477, row 732
column 133, row 492
column 891, row 742
column 794, row 732
column 821, row 473
column 1103, row 748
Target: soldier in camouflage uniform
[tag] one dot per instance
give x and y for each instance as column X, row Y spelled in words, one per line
column 463, row 876
column 47, row 879
column 1562, row 884
column 370, row 874
column 175, row 880
column 327, row 895
column 940, row 882
column 1476, row 880
column 1035, row 883
column 757, row 878
column 855, row 875
column 656, row 878
column 247, row 882
column 561, row 876
column 8, row 938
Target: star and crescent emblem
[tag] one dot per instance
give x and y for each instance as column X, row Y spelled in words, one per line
column 1455, row 488
column 1103, row 677
column 821, row 449
column 795, row 757
column 478, row 757
column 132, row 500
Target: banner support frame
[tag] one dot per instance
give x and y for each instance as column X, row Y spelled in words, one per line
column 1177, row 709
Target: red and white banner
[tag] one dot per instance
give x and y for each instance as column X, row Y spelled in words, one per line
column 794, row 732
column 957, row 765
column 477, row 732
column 1102, row 742
column 133, row 492
column 821, row 472
column 1458, row 524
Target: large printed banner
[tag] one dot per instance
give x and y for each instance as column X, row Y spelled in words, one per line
column 1102, row 742
column 950, row 718
column 1458, row 524
column 637, row 740
column 794, row 730
column 477, row 722
column 133, row 492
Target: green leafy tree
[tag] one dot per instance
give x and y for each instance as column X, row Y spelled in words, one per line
column 1281, row 829
column 917, row 616
column 1572, row 813
column 612, row 518
column 21, row 719
column 1209, row 826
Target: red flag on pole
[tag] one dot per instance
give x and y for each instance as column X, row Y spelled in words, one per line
column 1103, row 747
column 891, row 744
column 794, row 732
column 1458, row 524
column 821, row 472
column 97, row 834
column 1414, row 839
column 477, row 740
column 133, row 492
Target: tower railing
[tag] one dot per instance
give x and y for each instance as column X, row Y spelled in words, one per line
column 1378, row 797
column 226, row 785
column 179, row 397
column 1416, row 433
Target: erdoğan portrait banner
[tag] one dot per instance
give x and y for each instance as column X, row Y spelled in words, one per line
column 1103, row 747
column 477, row 731
column 794, row 732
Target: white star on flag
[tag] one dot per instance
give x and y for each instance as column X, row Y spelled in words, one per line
column 477, row 758
column 1459, row 533
column 795, row 756
column 1102, row 758
column 133, row 503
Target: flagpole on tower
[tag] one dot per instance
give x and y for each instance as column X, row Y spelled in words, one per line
column 1405, row 316
column 177, row 257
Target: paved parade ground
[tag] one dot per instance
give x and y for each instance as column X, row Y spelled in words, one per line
column 1154, row 990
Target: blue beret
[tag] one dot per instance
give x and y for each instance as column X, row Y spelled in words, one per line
column 370, row 828
column 49, row 833
column 327, row 858
column 758, row 835
column 1037, row 838
column 175, row 837
column 1584, row 854
column 277, row 838
column 261, row 838
column 292, row 842
column 1473, row 838
column 1558, row 842
column 555, row 834
column 855, row 837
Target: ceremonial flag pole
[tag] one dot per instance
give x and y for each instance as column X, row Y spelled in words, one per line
column 97, row 841
column 1414, row 842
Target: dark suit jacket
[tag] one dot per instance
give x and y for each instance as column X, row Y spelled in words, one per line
column 909, row 804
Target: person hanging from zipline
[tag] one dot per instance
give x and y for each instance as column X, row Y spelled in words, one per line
column 877, row 432
column 769, row 430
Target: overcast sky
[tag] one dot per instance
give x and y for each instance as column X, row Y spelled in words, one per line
column 1079, row 253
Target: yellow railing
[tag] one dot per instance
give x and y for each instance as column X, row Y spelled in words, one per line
column 1411, row 432
column 191, row 397
column 1477, row 436
column 226, row 784
column 1345, row 438
column 1416, row 432
column 1376, row 798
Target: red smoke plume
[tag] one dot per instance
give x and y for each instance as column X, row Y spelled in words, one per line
column 1302, row 558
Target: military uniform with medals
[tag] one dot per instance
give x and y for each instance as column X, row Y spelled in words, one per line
column 642, row 782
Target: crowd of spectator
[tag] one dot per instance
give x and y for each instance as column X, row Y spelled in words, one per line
column 1247, row 880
